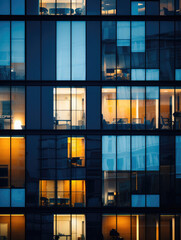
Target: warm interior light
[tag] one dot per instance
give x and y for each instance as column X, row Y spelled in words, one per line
column 140, row 4
column 17, row 124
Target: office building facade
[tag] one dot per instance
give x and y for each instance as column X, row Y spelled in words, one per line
column 90, row 119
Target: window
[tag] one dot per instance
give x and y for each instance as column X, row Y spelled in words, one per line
column 64, row 193
column 178, row 157
column 12, row 49
column 72, row 226
column 71, row 50
column 138, row 8
column 12, row 171
column 166, row 7
column 17, row 7
column 62, row 7
column 76, row 151
column 108, row 7
column 69, row 108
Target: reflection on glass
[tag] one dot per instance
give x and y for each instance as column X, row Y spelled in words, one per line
column 78, row 193
column 70, row 226
column 18, row 108
column 152, row 74
column 123, row 107
column 167, row 108
column 4, row 7
column 152, row 153
column 178, row 7
column 63, row 193
column 138, row 153
column 177, row 113
column 109, row 153
column 123, row 153
column 178, row 74
column 109, row 188
column 5, row 108
column 108, row 50
column 18, row 51
column 123, row 50
column 108, row 7
column 178, row 158
column 109, row 108
column 137, row 74
column 138, row 8
column 47, row 192
column 152, row 107
column 166, row 7
column 4, row 50
column 76, row 151
column 17, row 7
column 69, row 108
column 12, row 225
column 62, row 7
column 138, row 108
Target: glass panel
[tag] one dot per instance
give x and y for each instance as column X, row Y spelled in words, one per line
column 17, row 7
column 123, row 189
column 17, row 162
column 123, row 107
column 177, row 113
column 166, row 7
column 124, row 227
column 152, row 107
column 108, row 50
column 17, row 197
column 64, row 7
column 63, row 51
column 5, row 108
column 63, row 193
column 5, row 162
column 47, row 7
column 167, row 108
column 78, row 193
column 138, row 200
column 76, row 151
column 123, row 50
column 138, row 108
column 138, row 36
column 5, row 50
column 78, row 108
column 152, row 200
column 4, row 7
column 18, row 108
column 78, row 7
column 109, row 153
column 167, row 227
column 17, row 51
column 78, row 51
column 62, row 105
column 108, row 7
column 123, row 153
column 152, row 74
column 5, row 230
column 178, row 74
column 137, row 74
column 178, row 157
column 138, row 153
column 62, row 225
column 18, row 227
column 109, row 188
column 152, row 153
column 47, row 192
column 178, row 7
column 109, row 108
column 138, row 8
column 5, row 200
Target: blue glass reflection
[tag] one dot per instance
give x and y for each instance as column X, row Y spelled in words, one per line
column 123, row 93
column 178, row 156
column 152, row 200
column 138, row 201
column 18, row 7
column 138, row 153
column 138, row 8
column 109, row 153
column 4, row 7
column 4, row 197
column 138, row 36
column 138, row 74
column 17, row 197
column 152, row 74
column 123, row 153
column 178, row 74
column 152, row 153
column 152, row 93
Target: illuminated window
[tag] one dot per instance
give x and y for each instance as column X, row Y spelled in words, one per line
column 76, row 151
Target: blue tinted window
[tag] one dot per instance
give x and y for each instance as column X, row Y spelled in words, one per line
column 138, row 153
column 4, row 7
column 18, row 51
column 178, row 157
column 178, row 74
column 5, row 50
column 138, row 74
column 78, row 51
column 138, row 8
column 138, row 201
column 152, row 74
column 138, row 36
column 123, row 93
column 17, row 7
column 109, row 153
column 17, row 197
column 63, row 51
column 4, row 197
column 123, row 153
column 152, row 200
column 152, row 153
column 138, row 93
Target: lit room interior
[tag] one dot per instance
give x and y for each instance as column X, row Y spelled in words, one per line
column 69, row 108
column 16, row 223
column 62, row 7
column 72, row 227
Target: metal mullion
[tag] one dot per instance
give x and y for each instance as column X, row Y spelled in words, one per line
column 71, row 42
column 10, row 171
